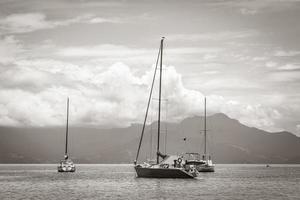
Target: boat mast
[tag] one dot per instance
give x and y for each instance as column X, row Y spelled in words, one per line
column 148, row 105
column 159, row 99
column 205, row 128
column 67, row 129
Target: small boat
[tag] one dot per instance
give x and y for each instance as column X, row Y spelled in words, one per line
column 205, row 164
column 193, row 159
column 171, row 166
column 66, row 165
column 208, row 166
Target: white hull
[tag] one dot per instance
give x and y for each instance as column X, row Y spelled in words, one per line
column 66, row 166
column 205, row 168
column 66, row 169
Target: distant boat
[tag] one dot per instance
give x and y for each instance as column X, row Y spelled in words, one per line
column 171, row 166
column 66, row 165
column 194, row 159
column 205, row 164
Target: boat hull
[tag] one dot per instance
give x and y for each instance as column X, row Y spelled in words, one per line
column 194, row 162
column 147, row 172
column 66, row 169
column 205, row 168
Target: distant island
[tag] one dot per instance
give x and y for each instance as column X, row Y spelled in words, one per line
column 229, row 142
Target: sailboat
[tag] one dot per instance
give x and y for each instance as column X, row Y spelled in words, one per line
column 166, row 166
column 207, row 165
column 66, row 165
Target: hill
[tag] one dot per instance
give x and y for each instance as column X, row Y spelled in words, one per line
column 229, row 142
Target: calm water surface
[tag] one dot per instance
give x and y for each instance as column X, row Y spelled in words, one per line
column 119, row 182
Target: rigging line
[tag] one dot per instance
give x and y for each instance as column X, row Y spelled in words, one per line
column 149, row 100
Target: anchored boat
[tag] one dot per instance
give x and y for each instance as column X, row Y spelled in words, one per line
column 205, row 164
column 166, row 166
column 66, row 165
column 193, row 159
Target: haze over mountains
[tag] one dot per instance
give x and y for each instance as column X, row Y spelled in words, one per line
column 229, row 142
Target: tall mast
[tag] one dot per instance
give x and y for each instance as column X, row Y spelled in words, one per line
column 67, row 129
column 204, row 127
column 159, row 98
column 146, row 115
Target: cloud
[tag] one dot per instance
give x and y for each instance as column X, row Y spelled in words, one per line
column 271, row 64
column 22, row 108
column 101, row 50
column 286, row 67
column 289, row 67
column 211, row 72
column 282, row 53
column 284, row 76
column 133, row 56
column 254, row 115
column 246, row 11
column 26, row 22
column 9, row 48
column 253, row 7
column 230, row 83
column 214, row 36
column 29, row 22
column 97, row 20
column 108, row 97
column 106, row 50
column 298, row 129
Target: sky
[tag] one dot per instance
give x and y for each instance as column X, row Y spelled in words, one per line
column 244, row 56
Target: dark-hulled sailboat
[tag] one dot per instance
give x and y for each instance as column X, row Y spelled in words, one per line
column 66, row 165
column 171, row 166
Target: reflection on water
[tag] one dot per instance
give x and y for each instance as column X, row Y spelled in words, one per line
column 119, row 182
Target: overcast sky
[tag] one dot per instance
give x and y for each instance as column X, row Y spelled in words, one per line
column 243, row 55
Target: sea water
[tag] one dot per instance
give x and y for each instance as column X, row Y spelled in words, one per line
column 120, row 182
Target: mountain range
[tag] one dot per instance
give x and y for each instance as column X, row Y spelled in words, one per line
column 229, row 141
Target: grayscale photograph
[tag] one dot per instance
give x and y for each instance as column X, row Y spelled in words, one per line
column 140, row 99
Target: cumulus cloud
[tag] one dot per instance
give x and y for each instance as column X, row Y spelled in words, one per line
column 254, row 115
column 113, row 96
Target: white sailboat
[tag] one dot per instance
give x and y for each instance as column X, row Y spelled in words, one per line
column 207, row 165
column 66, row 165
